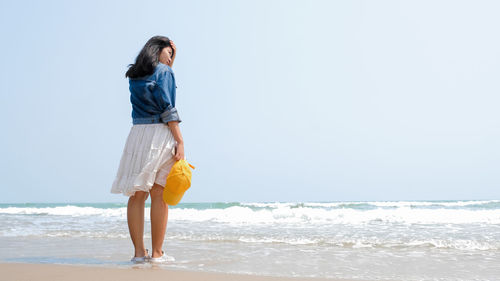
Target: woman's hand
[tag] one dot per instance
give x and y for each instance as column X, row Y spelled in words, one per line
column 174, row 49
column 179, row 151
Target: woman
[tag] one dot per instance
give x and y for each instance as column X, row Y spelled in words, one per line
column 153, row 144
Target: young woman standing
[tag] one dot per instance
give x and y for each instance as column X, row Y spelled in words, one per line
column 153, row 144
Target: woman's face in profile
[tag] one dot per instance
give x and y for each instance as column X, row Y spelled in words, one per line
column 166, row 55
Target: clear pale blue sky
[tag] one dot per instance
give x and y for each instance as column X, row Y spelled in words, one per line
column 280, row 100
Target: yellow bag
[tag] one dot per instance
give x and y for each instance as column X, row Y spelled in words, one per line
column 178, row 181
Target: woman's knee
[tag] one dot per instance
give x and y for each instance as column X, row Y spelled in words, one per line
column 140, row 195
column 156, row 191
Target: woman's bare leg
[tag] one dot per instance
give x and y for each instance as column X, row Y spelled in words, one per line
column 159, row 217
column 135, row 218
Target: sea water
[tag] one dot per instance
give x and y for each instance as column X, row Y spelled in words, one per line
column 382, row 240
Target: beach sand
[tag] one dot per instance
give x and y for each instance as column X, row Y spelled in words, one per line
column 57, row 272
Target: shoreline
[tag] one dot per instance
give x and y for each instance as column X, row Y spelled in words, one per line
column 56, row 272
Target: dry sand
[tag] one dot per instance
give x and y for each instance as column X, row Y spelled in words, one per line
column 56, row 272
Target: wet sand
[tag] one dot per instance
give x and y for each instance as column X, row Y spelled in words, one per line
column 57, row 272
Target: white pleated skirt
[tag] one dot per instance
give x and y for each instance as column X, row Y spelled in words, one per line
column 147, row 159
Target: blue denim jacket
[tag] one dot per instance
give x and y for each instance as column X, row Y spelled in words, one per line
column 153, row 97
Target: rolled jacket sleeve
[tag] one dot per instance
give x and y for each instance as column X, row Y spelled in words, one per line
column 170, row 115
column 166, row 91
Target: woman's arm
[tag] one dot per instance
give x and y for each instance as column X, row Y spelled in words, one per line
column 176, row 132
column 174, row 125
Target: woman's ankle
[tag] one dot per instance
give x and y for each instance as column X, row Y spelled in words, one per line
column 157, row 253
column 141, row 252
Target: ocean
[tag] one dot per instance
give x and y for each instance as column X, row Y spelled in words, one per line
column 373, row 240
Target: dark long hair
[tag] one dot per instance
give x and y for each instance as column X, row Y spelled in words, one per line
column 148, row 58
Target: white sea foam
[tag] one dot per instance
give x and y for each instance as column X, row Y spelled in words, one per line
column 305, row 215
column 345, row 241
column 430, row 203
column 66, row 211
column 65, row 233
column 394, row 204
column 286, row 214
column 348, row 242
